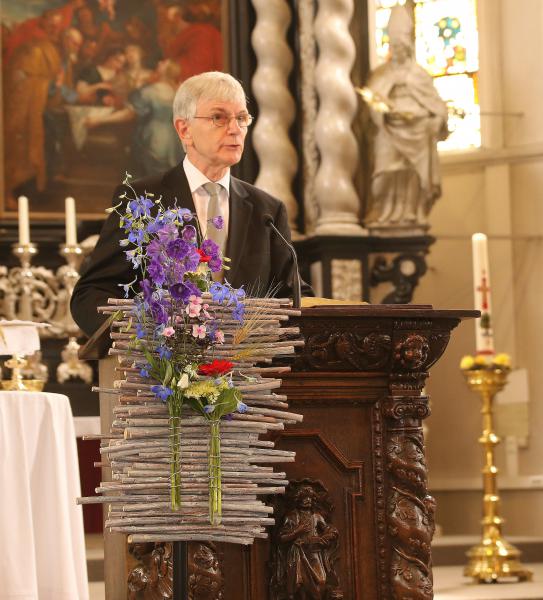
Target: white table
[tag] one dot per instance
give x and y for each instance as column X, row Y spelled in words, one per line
column 41, row 527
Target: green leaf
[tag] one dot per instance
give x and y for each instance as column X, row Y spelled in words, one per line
column 168, row 374
column 227, row 402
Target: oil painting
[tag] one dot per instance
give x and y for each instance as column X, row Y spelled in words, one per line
column 87, row 89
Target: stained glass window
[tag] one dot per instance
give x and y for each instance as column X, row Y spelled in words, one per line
column 447, row 46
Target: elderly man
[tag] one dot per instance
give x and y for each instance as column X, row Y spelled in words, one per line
column 211, row 119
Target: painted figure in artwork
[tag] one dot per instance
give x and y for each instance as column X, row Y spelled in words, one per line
column 70, row 66
column 405, row 181
column 307, row 545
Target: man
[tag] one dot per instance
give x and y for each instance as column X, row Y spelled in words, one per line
column 211, row 119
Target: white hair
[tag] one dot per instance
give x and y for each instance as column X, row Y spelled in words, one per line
column 212, row 85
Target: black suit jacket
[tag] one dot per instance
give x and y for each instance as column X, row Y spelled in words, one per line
column 259, row 259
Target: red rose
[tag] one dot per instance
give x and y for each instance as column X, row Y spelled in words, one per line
column 203, row 256
column 215, row 368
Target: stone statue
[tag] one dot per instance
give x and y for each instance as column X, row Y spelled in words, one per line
column 410, row 119
column 306, row 545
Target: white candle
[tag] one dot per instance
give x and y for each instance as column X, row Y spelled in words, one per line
column 24, row 223
column 484, row 337
column 71, row 228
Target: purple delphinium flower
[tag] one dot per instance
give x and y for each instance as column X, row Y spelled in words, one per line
column 189, row 233
column 162, row 392
column 155, row 270
column 159, row 312
column 192, row 260
column 184, row 290
column 147, row 289
column 210, row 248
column 168, row 233
column 154, row 249
column 215, row 264
column 178, row 249
column 217, row 222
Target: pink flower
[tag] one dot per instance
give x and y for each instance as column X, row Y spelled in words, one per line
column 199, row 331
column 194, row 306
column 168, row 332
column 204, row 311
column 219, row 337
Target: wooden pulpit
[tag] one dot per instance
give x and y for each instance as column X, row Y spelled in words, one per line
column 356, row 522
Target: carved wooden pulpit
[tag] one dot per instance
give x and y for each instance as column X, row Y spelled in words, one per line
column 356, row 521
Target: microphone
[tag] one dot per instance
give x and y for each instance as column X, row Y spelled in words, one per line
column 296, row 285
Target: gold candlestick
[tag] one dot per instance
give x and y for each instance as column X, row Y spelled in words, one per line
column 494, row 557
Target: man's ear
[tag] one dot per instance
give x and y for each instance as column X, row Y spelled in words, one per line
column 183, row 131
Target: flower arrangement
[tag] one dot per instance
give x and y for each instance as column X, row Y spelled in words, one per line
column 179, row 314
column 481, row 361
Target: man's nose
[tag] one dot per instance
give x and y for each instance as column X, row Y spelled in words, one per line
column 233, row 126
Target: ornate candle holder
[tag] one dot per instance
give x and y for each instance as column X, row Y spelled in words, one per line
column 68, row 274
column 25, row 253
column 493, row 558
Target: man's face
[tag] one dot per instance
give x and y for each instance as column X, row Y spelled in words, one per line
column 210, row 148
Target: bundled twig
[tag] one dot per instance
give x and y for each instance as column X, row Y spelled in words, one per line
column 139, row 446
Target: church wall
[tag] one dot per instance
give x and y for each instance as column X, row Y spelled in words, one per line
column 497, row 190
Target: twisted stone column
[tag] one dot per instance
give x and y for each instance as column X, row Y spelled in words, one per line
column 338, row 202
column 277, row 156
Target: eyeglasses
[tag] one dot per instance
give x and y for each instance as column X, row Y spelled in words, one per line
column 220, row 120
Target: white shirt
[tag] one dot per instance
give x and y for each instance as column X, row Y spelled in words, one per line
column 201, row 198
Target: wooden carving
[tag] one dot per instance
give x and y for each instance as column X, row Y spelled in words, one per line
column 151, row 578
column 345, row 351
column 305, row 546
column 206, row 581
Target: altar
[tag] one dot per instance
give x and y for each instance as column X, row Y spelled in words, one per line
column 43, row 555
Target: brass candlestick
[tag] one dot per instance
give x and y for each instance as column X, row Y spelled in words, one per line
column 494, row 557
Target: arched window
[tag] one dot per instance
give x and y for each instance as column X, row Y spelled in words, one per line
column 447, row 46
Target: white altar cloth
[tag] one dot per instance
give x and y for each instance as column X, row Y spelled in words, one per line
column 41, row 527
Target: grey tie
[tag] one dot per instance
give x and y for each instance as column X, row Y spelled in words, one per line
column 214, row 210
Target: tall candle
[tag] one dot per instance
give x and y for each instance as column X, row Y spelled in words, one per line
column 484, row 337
column 71, row 229
column 24, row 223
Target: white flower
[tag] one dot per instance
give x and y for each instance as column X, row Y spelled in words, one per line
column 183, row 382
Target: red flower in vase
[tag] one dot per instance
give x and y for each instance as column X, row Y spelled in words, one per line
column 215, row 368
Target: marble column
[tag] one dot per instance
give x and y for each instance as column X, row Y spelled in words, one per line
column 277, row 155
column 338, row 202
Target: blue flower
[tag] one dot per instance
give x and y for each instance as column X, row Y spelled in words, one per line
column 136, row 237
column 134, row 257
column 140, row 331
column 242, row 407
column 209, row 408
column 185, row 214
column 140, row 207
column 238, row 312
column 144, row 371
column 164, row 352
column 219, row 292
column 161, row 392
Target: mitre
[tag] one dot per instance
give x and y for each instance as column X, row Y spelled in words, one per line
column 400, row 26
